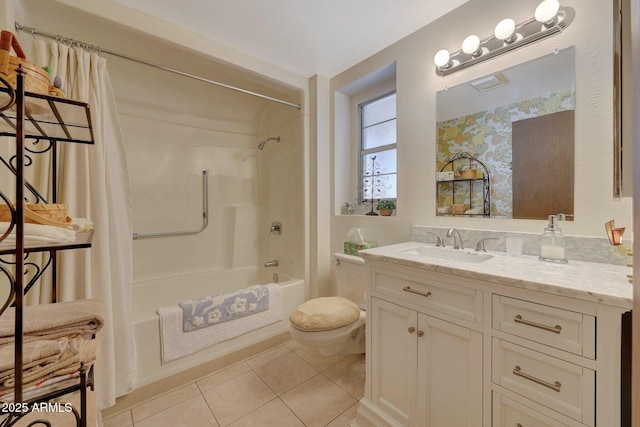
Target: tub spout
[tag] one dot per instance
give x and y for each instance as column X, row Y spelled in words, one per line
column 273, row 263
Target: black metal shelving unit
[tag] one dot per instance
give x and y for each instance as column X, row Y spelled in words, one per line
column 45, row 121
column 454, row 164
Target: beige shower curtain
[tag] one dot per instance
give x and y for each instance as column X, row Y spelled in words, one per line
column 93, row 181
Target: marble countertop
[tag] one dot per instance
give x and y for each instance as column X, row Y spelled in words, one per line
column 588, row 281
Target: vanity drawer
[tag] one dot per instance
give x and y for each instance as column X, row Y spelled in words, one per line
column 554, row 383
column 556, row 327
column 434, row 293
column 509, row 413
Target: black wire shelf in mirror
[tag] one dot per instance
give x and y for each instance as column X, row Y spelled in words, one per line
column 455, row 187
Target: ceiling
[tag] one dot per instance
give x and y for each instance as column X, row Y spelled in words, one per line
column 307, row 37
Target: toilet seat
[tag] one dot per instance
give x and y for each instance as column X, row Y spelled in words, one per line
column 324, row 314
column 349, row 338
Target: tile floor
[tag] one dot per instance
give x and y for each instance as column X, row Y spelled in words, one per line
column 289, row 385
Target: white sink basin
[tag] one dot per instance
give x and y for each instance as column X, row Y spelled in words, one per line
column 448, row 254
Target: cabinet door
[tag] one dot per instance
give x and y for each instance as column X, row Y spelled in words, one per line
column 449, row 375
column 393, row 358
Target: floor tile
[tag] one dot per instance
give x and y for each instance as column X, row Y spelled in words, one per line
column 346, row 418
column 294, row 345
column 163, row 402
column 267, row 356
column 317, row 401
column 349, row 374
column 285, row 372
column 318, row 361
column 121, row 420
column 223, row 376
column 191, row 412
column 236, row 398
column 274, row 413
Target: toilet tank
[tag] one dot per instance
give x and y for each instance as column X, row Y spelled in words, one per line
column 351, row 278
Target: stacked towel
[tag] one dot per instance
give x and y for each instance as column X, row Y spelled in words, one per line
column 37, row 234
column 72, row 354
column 47, row 386
column 50, row 321
column 57, row 342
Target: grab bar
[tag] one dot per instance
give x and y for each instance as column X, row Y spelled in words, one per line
column 205, row 214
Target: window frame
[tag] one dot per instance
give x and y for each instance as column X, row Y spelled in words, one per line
column 362, row 152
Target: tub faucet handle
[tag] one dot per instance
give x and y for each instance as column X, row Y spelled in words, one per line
column 272, row 263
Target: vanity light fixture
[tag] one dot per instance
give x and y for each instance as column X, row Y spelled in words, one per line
column 471, row 46
column 507, row 36
column 506, row 31
column 547, row 13
column 442, row 59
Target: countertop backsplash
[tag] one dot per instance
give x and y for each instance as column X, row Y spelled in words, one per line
column 591, row 249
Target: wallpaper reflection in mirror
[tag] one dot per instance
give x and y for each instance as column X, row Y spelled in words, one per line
column 479, row 121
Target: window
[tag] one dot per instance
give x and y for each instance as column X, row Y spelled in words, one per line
column 378, row 153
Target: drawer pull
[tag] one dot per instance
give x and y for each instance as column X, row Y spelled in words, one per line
column 555, row 329
column 555, row 386
column 413, row 291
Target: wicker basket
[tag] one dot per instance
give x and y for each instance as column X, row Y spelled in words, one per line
column 36, row 79
column 40, row 213
column 468, row 173
column 5, row 213
column 459, row 208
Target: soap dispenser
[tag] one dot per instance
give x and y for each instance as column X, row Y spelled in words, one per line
column 552, row 242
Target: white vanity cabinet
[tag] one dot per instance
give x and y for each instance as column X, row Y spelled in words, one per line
column 450, row 350
column 425, row 351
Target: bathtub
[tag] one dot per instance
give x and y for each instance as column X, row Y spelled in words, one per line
column 150, row 295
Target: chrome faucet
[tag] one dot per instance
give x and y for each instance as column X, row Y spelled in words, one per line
column 273, row 263
column 457, row 239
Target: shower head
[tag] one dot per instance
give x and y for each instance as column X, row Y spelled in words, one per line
column 263, row 143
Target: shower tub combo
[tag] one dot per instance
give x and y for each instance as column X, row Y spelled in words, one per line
column 151, row 295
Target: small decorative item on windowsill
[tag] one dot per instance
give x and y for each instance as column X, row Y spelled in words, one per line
column 386, row 207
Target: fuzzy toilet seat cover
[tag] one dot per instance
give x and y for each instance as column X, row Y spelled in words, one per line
column 324, row 314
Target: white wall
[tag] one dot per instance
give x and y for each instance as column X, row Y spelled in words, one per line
column 417, row 85
column 174, row 127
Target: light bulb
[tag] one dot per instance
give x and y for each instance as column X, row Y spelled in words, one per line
column 547, row 11
column 471, row 45
column 442, row 58
column 505, row 30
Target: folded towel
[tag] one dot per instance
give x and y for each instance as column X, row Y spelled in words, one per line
column 63, row 235
column 475, row 211
column 50, row 321
column 44, row 387
column 209, row 311
column 33, row 353
column 82, row 225
column 77, row 352
column 177, row 343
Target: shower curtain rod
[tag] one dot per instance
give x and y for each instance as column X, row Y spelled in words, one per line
column 34, row 31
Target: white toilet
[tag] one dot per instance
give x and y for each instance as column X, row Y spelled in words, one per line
column 335, row 324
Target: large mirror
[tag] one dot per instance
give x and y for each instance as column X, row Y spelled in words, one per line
column 515, row 128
